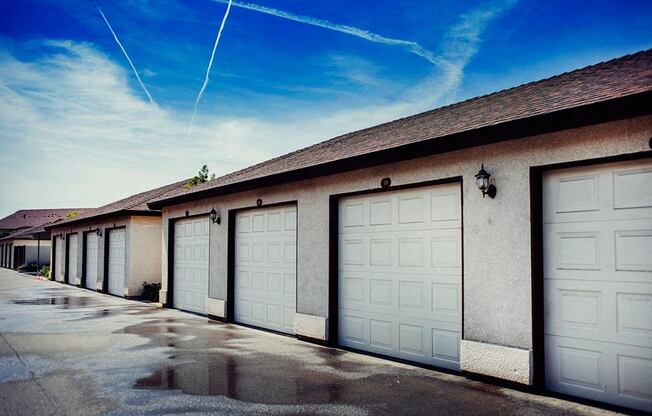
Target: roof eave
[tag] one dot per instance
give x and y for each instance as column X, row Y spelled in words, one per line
column 104, row 216
column 604, row 111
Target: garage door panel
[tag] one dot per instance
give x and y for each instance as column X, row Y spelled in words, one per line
column 59, row 249
column 400, row 274
column 117, row 261
column 191, row 254
column 437, row 297
column 620, row 311
column 436, row 208
column 72, row 259
column 632, row 188
column 92, row 247
column 431, row 252
column 410, row 338
column 587, row 194
column 604, row 250
column 598, row 282
column 265, row 271
column 595, row 369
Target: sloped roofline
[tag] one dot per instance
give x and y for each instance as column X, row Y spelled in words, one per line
column 607, row 103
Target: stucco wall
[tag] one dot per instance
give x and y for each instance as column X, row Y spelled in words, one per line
column 145, row 253
column 497, row 268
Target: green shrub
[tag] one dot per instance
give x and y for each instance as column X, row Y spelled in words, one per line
column 150, row 291
column 31, row 267
column 45, row 271
column 201, row 177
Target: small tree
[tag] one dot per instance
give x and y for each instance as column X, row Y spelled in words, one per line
column 72, row 214
column 201, row 177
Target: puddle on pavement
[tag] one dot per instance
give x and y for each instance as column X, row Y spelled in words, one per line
column 312, row 375
column 193, row 369
column 247, row 375
column 65, row 301
column 240, row 378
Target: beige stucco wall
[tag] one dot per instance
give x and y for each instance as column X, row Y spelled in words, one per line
column 497, row 267
column 145, row 253
column 142, row 235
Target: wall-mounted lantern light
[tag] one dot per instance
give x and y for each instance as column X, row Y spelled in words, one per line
column 215, row 216
column 98, row 231
column 482, row 179
column 63, row 236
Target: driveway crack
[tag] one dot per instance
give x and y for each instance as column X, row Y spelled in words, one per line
column 32, row 375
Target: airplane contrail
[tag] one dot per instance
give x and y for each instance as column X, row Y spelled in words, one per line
column 210, row 64
column 151, row 100
column 410, row 46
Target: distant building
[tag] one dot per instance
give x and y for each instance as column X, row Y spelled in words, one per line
column 23, row 239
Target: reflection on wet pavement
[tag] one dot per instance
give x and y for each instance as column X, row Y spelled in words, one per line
column 212, row 363
column 91, row 351
column 66, row 301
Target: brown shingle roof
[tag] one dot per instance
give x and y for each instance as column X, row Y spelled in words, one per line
column 26, row 218
column 134, row 204
column 617, row 78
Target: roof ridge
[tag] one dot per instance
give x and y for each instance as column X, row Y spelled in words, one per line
column 163, row 189
column 128, row 202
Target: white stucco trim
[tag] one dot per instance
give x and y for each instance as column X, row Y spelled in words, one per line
column 163, row 296
column 216, row 307
column 310, row 326
column 507, row 363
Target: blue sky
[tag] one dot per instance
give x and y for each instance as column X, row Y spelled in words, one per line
column 77, row 129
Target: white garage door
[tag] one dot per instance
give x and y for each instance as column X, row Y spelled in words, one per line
column 399, row 289
column 265, row 268
column 598, row 282
column 59, row 271
column 190, row 286
column 72, row 259
column 117, row 261
column 92, row 244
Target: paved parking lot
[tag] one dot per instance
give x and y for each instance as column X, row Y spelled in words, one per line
column 67, row 351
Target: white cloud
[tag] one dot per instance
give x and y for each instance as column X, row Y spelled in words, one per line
column 74, row 132
column 352, row 69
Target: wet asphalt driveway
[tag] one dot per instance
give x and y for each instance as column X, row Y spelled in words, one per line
column 68, row 351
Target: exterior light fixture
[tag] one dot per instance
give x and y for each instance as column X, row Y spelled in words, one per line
column 98, row 231
column 482, row 180
column 215, row 216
